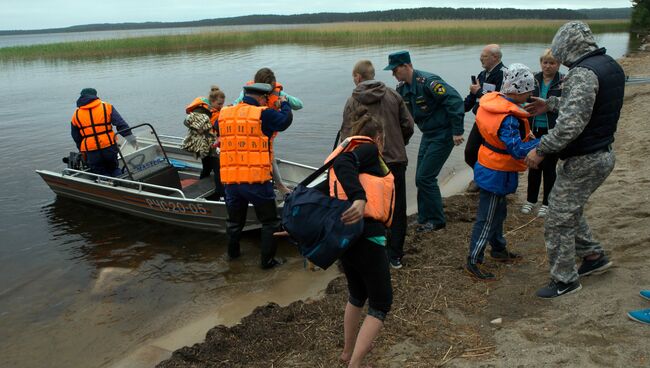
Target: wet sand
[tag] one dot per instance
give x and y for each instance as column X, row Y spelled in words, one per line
column 443, row 317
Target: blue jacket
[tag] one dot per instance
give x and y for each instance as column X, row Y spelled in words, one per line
column 505, row 182
column 116, row 120
column 273, row 120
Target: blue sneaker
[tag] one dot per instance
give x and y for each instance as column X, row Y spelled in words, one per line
column 395, row 263
column 645, row 294
column 642, row 316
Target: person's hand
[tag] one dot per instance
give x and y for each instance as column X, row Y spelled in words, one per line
column 458, row 139
column 536, row 106
column 281, row 233
column 474, row 88
column 533, row 159
column 354, row 214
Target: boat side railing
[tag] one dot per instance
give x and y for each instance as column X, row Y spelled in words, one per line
column 140, row 185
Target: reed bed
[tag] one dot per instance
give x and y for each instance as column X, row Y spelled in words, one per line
column 414, row 32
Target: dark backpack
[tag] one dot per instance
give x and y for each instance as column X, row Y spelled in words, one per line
column 313, row 221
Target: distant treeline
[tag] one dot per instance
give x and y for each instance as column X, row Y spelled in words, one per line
column 372, row 16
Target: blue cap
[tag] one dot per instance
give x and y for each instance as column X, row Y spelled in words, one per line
column 258, row 88
column 398, row 58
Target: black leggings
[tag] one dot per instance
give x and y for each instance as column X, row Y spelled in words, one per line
column 366, row 268
column 546, row 170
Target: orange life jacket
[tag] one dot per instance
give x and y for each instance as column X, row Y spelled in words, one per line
column 493, row 109
column 198, row 102
column 205, row 103
column 246, row 152
column 273, row 97
column 94, row 123
column 380, row 190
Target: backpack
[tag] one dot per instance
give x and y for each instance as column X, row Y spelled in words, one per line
column 313, row 221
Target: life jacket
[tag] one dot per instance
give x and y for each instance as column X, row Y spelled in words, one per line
column 493, row 109
column 380, row 190
column 273, row 97
column 204, row 104
column 94, row 123
column 246, row 152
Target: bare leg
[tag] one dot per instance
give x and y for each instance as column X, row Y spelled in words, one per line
column 367, row 334
column 351, row 320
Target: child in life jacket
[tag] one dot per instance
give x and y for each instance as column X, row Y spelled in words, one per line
column 503, row 124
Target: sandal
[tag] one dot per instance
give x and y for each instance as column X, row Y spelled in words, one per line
column 527, row 207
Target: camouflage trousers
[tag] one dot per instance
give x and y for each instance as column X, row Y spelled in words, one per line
column 566, row 231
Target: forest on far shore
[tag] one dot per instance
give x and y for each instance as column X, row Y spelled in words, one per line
column 371, row 16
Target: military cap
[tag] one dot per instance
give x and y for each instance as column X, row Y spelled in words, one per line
column 398, row 58
column 88, row 92
column 258, row 89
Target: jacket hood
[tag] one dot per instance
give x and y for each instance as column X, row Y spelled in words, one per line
column 369, row 92
column 85, row 100
column 572, row 41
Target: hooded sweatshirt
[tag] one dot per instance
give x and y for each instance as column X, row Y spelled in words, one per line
column 387, row 107
column 571, row 42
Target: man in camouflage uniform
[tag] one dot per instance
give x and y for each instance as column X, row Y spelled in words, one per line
column 438, row 111
column 588, row 110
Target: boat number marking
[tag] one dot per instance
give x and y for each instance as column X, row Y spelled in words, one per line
column 177, row 207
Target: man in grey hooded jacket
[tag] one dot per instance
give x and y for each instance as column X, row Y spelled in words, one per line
column 386, row 106
column 588, row 113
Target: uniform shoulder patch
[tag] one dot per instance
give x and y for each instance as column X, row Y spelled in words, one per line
column 438, row 88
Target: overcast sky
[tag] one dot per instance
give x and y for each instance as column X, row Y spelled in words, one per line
column 37, row 14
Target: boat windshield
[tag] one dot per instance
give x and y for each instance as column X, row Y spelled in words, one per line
column 145, row 157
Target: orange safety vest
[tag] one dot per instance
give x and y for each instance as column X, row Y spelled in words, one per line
column 380, row 190
column 273, row 97
column 246, row 152
column 205, row 103
column 94, row 123
column 493, row 109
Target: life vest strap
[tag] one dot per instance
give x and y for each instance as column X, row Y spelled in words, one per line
column 495, row 149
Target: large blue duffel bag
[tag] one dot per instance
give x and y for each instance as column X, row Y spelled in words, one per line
column 313, row 221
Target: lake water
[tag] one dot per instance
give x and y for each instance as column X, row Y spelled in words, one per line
column 82, row 286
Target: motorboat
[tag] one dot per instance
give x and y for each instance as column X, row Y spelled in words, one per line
column 160, row 181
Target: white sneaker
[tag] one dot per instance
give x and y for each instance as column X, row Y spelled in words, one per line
column 542, row 211
column 527, row 207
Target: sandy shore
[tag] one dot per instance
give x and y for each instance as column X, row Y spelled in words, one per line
column 442, row 317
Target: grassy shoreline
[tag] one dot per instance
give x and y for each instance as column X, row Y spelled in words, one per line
column 415, row 32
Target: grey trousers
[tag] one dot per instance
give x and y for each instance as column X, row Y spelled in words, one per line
column 566, row 231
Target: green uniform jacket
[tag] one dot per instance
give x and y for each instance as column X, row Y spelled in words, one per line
column 434, row 104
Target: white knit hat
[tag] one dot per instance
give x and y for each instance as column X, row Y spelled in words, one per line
column 518, row 79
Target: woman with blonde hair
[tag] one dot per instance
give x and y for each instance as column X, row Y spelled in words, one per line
column 548, row 83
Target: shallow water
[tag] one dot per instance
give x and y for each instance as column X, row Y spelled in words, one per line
column 82, row 286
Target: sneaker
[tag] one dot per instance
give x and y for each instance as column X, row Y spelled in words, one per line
column 429, row 226
column 557, row 288
column 504, row 255
column 395, row 263
column 541, row 212
column 594, row 267
column 642, row 316
column 527, row 207
column 645, row 294
column 476, row 272
column 273, row 263
column 472, row 187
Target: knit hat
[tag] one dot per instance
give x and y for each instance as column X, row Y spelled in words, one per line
column 518, row 79
column 88, row 92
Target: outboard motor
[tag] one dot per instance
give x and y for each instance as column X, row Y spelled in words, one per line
column 75, row 161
